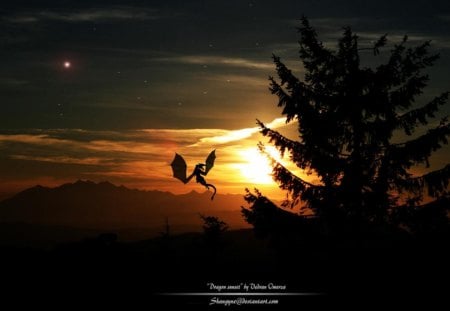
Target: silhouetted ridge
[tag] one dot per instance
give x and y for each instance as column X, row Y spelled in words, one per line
column 86, row 204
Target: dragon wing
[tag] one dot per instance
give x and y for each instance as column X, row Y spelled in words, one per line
column 210, row 161
column 179, row 168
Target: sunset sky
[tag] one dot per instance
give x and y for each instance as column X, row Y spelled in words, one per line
column 110, row 90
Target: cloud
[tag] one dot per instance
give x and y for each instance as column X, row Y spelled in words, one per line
column 113, row 148
column 140, row 143
column 229, row 136
column 64, row 159
column 12, row 82
column 236, row 135
column 28, row 139
column 240, row 80
column 370, row 28
column 88, row 15
column 442, row 41
column 445, row 18
column 218, row 61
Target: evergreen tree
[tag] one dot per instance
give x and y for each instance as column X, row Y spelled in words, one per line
column 348, row 117
column 213, row 229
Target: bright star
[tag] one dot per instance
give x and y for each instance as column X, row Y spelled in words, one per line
column 67, row 64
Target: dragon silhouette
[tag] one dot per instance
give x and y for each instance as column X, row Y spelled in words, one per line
column 179, row 169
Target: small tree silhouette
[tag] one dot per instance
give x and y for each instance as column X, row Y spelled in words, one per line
column 348, row 117
column 166, row 233
column 165, row 239
column 213, row 229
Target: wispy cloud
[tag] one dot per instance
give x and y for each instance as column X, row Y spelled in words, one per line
column 243, row 80
column 133, row 157
column 12, row 82
column 89, row 15
column 330, row 29
column 236, row 135
column 64, row 159
column 397, row 37
column 144, row 142
column 205, row 60
column 445, row 18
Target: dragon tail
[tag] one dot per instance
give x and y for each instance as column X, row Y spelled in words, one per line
column 215, row 190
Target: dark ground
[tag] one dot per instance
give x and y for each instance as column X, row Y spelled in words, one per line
column 104, row 271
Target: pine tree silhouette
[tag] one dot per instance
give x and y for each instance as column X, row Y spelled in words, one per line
column 348, row 117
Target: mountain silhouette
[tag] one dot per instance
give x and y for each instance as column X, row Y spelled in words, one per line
column 104, row 206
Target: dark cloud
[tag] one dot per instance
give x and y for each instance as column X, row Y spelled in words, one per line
column 176, row 64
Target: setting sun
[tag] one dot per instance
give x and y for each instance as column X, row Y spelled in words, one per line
column 257, row 168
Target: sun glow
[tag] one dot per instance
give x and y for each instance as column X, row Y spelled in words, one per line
column 257, row 168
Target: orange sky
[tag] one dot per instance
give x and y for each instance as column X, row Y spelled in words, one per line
column 140, row 158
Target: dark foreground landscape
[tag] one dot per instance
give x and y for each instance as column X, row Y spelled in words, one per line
column 133, row 257
column 106, row 271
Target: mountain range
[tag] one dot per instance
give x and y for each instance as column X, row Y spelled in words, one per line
column 99, row 207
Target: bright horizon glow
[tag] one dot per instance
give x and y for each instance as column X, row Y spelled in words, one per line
column 257, row 169
column 141, row 158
